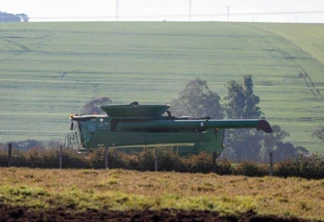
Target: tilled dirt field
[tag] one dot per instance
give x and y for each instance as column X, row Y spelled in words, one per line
column 8, row 213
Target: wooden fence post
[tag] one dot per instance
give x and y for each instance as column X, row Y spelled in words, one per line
column 155, row 160
column 106, row 158
column 9, row 154
column 270, row 165
column 214, row 161
column 60, row 157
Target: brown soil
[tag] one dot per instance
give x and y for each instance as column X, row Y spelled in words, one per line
column 8, row 213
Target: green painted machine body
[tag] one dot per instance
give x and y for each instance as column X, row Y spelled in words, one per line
column 132, row 127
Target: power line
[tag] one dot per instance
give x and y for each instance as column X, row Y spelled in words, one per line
column 190, row 7
column 182, row 15
column 117, row 9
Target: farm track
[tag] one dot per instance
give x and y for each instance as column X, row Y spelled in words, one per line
column 9, row 213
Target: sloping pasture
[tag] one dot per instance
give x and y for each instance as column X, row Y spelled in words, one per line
column 49, row 70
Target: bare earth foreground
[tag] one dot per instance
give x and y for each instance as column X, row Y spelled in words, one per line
column 24, row 214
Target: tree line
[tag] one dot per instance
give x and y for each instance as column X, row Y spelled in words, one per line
column 240, row 102
column 9, row 17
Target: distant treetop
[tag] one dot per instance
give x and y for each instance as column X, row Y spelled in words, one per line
column 9, row 17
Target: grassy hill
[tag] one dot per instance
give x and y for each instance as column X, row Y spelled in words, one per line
column 49, row 70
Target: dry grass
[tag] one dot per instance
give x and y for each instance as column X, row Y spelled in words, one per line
column 123, row 189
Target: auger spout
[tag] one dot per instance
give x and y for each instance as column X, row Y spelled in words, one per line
column 199, row 125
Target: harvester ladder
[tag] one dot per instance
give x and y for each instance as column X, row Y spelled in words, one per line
column 72, row 141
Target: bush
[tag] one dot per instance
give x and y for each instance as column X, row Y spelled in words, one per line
column 146, row 160
column 252, row 169
column 310, row 167
column 3, row 158
column 223, row 167
column 201, row 163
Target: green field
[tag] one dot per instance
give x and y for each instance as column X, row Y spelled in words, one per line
column 49, row 70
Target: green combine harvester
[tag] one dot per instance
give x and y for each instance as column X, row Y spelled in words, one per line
column 133, row 127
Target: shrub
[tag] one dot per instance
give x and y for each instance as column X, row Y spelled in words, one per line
column 223, row 167
column 310, row 167
column 146, row 160
column 248, row 168
column 3, row 158
column 199, row 163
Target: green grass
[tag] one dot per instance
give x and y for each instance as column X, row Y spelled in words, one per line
column 123, row 190
column 151, row 62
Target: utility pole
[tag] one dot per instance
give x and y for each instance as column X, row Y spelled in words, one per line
column 228, row 11
column 190, row 7
column 117, row 9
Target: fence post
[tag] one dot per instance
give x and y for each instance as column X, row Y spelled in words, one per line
column 106, row 158
column 214, row 161
column 60, row 157
column 9, row 154
column 270, row 165
column 155, row 160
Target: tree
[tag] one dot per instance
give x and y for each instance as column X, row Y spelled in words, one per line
column 319, row 133
column 9, row 17
column 272, row 142
column 197, row 100
column 92, row 106
column 270, row 139
column 23, row 17
column 250, row 144
column 25, row 145
column 242, row 104
column 283, row 150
